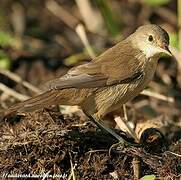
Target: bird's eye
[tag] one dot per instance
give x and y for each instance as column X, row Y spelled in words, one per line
column 150, row 38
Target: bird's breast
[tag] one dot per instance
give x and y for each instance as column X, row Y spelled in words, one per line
column 148, row 72
column 149, row 69
column 121, row 93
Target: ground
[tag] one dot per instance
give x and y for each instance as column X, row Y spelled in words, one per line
column 53, row 144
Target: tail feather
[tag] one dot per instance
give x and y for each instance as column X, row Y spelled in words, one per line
column 38, row 102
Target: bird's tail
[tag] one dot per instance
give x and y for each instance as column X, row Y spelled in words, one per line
column 38, row 102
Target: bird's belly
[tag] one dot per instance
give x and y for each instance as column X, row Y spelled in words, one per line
column 111, row 98
column 126, row 92
column 131, row 91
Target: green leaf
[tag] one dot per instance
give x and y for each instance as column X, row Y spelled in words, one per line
column 75, row 58
column 5, row 62
column 173, row 39
column 149, row 177
column 5, row 38
column 156, row 2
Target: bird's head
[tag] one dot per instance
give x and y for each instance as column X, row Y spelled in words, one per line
column 152, row 40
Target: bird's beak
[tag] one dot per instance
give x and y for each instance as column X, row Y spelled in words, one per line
column 166, row 50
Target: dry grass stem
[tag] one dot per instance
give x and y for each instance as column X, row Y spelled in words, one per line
column 18, row 79
column 62, row 14
column 13, row 93
column 136, row 167
column 80, row 30
column 72, row 175
column 71, row 22
column 124, row 121
column 91, row 17
column 157, row 96
column 175, row 154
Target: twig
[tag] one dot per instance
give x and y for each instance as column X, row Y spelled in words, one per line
column 95, row 151
column 13, row 93
column 62, row 14
column 136, row 167
column 125, row 120
column 179, row 155
column 72, row 175
column 18, row 79
column 91, row 17
column 71, row 22
column 157, row 96
column 80, row 30
column 45, row 175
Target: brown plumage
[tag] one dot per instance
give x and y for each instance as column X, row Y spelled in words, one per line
column 108, row 81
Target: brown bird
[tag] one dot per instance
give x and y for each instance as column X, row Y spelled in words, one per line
column 108, row 81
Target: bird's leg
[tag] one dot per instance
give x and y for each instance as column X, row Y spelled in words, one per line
column 100, row 124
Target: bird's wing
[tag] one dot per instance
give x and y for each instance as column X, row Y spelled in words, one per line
column 112, row 67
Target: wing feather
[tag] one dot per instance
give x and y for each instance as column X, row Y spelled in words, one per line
column 115, row 66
